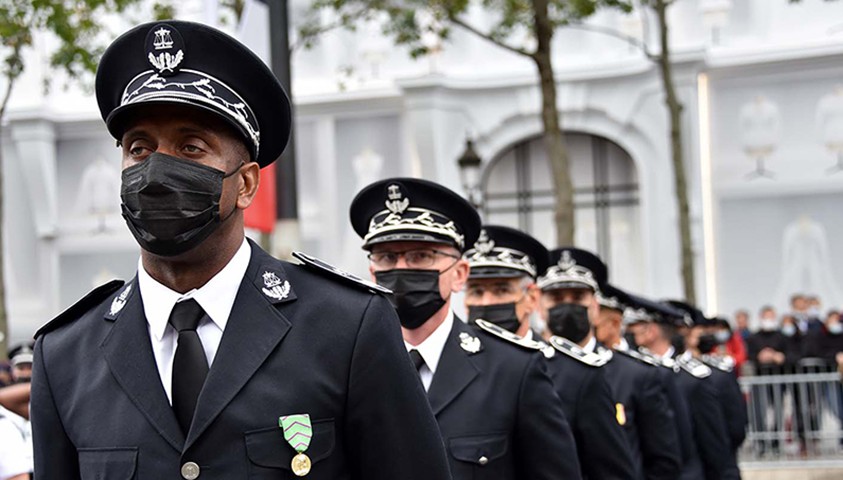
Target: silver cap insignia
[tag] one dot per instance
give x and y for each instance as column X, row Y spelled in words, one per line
column 396, row 203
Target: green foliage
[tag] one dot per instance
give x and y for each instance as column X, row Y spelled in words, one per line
column 74, row 23
column 409, row 22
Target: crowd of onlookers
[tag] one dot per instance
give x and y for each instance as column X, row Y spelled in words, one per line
column 804, row 340
column 15, row 433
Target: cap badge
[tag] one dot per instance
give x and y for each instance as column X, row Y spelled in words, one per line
column 484, row 244
column 120, row 301
column 160, row 42
column 395, row 202
column 567, row 262
column 470, row 343
column 274, row 287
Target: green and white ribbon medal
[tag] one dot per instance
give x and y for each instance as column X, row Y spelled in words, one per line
column 298, row 432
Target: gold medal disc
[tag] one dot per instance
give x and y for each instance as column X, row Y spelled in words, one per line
column 300, row 465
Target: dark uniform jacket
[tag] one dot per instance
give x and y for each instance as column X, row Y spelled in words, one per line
column 709, row 426
column 497, row 411
column 691, row 464
column 647, row 415
column 733, row 404
column 328, row 348
column 602, row 446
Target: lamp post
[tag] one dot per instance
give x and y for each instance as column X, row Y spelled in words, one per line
column 470, row 163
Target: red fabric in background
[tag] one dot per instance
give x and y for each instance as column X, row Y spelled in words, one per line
column 262, row 212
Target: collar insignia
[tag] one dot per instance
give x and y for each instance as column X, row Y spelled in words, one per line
column 120, row 301
column 470, row 343
column 165, row 49
column 274, row 287
column 396, row 203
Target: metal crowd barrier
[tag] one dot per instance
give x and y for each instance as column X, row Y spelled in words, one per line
column 797, row 417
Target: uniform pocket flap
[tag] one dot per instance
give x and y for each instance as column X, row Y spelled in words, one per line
column 107, row 463
column 267, row 448
column 479, row 449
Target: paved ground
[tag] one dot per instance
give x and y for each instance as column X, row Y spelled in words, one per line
column 793, row 474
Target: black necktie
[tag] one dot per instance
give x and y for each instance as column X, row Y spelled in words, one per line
column 417, row 359
column 190, row 367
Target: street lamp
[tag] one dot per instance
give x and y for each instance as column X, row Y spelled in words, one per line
column 469, row 163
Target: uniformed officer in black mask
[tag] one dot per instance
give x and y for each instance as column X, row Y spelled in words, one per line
column 501, row 288
column 495, row 405
column 568, row 305
column 217, row 360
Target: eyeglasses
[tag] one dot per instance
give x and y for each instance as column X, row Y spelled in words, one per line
column 419, row 258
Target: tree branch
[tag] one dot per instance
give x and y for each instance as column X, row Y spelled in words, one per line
column 520, row 51
column 640, row 45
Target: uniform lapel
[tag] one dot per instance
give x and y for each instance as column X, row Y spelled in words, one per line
column 128, row 353
column 456, row 370
column 254, row 329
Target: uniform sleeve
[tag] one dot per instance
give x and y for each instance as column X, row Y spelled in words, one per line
column 658, row 434
column 544, row 443
column 55, row 456
column 681, row 415
column 604, row 448
column 390, row 428
column 712, row 438
column 734, row 409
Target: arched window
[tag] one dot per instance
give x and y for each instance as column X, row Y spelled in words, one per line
column 518, row 192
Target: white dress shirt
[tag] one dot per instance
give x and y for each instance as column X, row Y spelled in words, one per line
column 215, row 297
column 590, row 345
column 623, row 345
column 16, row 441
column 431, row 349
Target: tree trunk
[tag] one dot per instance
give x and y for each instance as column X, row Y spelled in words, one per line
column 4, row 324
column 554, row 140
column 675, row 109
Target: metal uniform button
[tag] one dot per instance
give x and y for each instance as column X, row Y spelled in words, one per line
column 190, row 471
column 483, row 460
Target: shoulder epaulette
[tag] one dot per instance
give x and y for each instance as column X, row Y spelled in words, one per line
column 725, row 364
column 327, row 269
column 522, row 342
column 605, row 353
column 573, row 350
column 641, row 357
column 93, row 298
column 694, row 367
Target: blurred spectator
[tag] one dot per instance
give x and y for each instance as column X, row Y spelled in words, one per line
column 766, row 349
column 5, row 374
column 15, row 447
column 742, row 324
column 729, row 344
column 806, row 312
column 20, row 358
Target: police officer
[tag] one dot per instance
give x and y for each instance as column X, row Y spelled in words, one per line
column 218, row 361
column 568, row 305
column 496, row 408
column 642, row 399
column 653, row 333
column 700, row 338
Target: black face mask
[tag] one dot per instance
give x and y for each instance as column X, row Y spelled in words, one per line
column 570, row 321
column 415, row 296
column 706, row 343
column 502, row 315
column 171, row 205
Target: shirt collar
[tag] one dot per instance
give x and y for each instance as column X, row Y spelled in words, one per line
column 590, row 345
column 623, row 345
column 216, row 297
column 432, row 346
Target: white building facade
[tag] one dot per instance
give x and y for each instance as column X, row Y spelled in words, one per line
column 760, row 81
